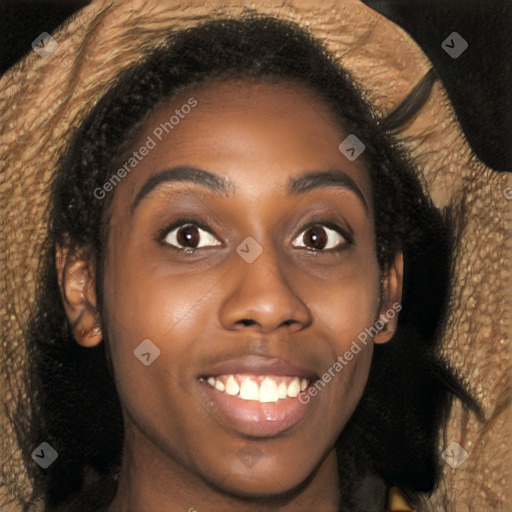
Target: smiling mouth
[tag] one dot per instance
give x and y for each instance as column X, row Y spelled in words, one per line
column 261, row 388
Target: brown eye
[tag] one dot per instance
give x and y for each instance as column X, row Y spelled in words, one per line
column 320, row 237
column 189, row 236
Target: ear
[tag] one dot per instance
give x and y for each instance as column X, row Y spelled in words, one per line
column 77, row 286
column 392, row 291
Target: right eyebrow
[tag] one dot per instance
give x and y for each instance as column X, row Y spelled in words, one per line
column 207, row 179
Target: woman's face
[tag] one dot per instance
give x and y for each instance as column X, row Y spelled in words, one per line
column 253, row 310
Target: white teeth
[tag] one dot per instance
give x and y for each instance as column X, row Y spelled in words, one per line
column 282, row 390
column 219, row 385
column 294, row 387
column 268, row 391
column 249, row 390
column 232, row 387
column 265, row 389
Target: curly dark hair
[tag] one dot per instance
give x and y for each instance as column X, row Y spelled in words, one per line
column 393, row 433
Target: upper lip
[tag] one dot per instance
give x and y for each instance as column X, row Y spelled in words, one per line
column 259, row 365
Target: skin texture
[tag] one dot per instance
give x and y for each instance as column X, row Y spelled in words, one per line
column 180, row 454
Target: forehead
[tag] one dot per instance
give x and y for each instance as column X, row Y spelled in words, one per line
column 258, row 135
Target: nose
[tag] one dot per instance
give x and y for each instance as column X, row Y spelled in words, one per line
column 261, row 298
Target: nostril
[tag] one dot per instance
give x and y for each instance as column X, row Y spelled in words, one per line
column 247, row 321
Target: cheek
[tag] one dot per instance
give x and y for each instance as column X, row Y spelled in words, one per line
column 168, row 310
column 344, row 304
column 162, row 318
column 345, row 380
column 141, row 305
column 345, row 301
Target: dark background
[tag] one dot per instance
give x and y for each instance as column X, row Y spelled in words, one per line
column 479, row 82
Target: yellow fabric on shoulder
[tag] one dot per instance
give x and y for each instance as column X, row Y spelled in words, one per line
column 398, row 502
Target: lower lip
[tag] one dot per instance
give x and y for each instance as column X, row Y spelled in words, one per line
column 253, row 418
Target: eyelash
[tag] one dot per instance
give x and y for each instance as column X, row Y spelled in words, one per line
column 181, row 221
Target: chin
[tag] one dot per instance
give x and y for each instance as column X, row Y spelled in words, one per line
column 269, row 480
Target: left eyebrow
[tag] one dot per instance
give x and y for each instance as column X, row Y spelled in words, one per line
column 309, row 181
column 322, row 179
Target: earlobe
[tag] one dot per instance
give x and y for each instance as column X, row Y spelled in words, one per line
column 77, row 286
column 87, row 337
column 390, row 307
